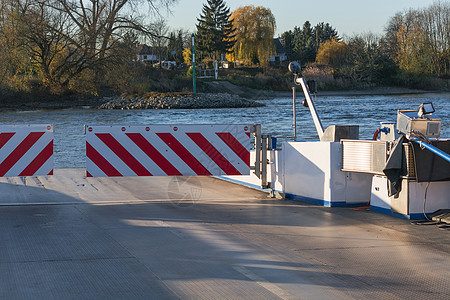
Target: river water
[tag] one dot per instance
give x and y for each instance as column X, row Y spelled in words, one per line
column 275, row 118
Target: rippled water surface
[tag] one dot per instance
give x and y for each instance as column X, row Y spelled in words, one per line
column 275, row 118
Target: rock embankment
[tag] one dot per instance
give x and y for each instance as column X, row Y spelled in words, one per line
column 184, row 101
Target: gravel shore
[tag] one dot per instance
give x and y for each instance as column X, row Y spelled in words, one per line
column 186, row 101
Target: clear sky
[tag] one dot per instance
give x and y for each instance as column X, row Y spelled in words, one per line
column 346, row 16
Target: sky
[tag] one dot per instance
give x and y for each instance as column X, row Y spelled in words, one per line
column 348, row 17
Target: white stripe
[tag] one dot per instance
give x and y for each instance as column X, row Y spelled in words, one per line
column 93, row 169
column 46, row 167
column 12, row 144
column 26, row 128
column 110, row 156
column 209, row 162
column 169, row 154
column 198, row 153
column 227, row 152
column 208, row 131
column 30, row 155
column 139, row 155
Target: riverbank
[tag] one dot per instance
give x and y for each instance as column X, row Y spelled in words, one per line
column 220, row 94
column 377, row 91
column 30, row 102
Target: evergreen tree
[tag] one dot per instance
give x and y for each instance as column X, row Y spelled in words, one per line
column 304, row 42
column 324, row 32
column 172, row 46
column 175, row 46
column 287, row 39
column 215, row 32
column 179, row 47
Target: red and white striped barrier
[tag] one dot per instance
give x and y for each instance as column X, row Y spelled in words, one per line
column 173, row 150
column 26, row 150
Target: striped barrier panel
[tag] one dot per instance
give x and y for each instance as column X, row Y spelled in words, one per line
column 26, row 150
column 167, row 150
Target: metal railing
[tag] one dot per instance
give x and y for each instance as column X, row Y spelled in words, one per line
column 433, row 149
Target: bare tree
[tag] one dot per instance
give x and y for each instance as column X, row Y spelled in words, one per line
column 102, row 23
column 64, row 38
column 436, row 22
column 423, row 33
column 158, row 39
column 42, row 35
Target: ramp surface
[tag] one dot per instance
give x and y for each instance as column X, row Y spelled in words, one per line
column 68, row 236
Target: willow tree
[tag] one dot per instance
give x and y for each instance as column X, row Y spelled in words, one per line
column 255, row 27
column 332, row 52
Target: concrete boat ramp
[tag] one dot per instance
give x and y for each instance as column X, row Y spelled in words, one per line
column 71, row 237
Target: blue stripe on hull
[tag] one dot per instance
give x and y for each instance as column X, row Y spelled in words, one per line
column 324, row 202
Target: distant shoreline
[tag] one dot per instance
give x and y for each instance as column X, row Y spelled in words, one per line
column 65, row 102
column 365, row 92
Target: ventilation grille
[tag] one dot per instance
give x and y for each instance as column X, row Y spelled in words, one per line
column 363, row 156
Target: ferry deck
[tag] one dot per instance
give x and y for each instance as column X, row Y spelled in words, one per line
column 71, row 237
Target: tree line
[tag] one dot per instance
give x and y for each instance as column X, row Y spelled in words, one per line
column 65, row 45
column 414, row 46
column 69, row 44
column 244, row 35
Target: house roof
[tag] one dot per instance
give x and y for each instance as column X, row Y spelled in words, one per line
column 279, row 47
column 145, row 50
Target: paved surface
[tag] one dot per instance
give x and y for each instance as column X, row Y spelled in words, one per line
column 66, row 237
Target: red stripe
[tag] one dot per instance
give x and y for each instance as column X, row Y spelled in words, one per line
column 88, row 174
column 4, row 138
column 123, row 154
column 248, row 133
column 236, row 146
column 50, row 173
column 100, row 161
column 212, row 152
column 154, row 154
column 19, row 151
column 38, row 161
column 183, row 153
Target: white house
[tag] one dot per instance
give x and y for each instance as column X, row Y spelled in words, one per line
column 280, row 52
column 147, row 54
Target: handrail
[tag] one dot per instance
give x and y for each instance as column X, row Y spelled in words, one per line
column 433, row 149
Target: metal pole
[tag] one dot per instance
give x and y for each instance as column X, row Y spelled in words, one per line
column 433, row 149
column 216, row 70
column 194, row 87
column 311, row 106
column 257, row 131
column 294, row 113
column 264, row 184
